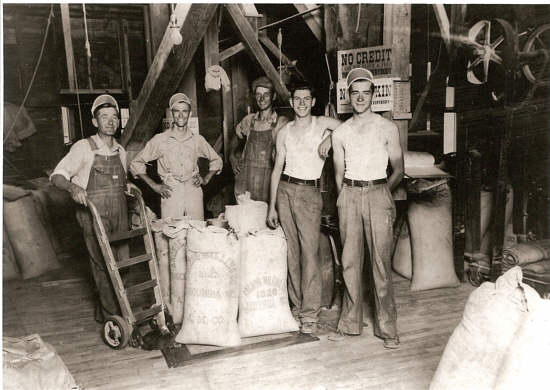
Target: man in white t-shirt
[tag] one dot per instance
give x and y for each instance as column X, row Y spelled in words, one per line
column 362, row 147
column 302, row 146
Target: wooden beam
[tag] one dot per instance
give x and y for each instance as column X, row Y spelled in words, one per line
column 69, row 53
column 231, row 51
column 211, row 45
column 313, row 19
column 251, row 42
column 159, row 16
column 274, row 49
column 444, row 24
column 126, row 59
column 167, row 71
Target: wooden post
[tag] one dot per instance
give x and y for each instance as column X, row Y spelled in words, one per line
column 313, row 19
column 166, row 72
column 251, row 42
column 159, row 16
column 69, row 53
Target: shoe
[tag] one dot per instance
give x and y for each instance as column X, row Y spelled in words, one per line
column 337, row 336
column 391, row 343
column 308, row 327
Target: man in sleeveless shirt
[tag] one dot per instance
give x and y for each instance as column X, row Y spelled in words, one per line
column 302, row 146
column 362, row 147
column 177, row 151
column 95, row 170
column 259, row 130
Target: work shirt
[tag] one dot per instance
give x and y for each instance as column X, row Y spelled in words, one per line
column 243, row 128
column 302, row 151
column 365, row 149
column 177, row 155
column 76, row 165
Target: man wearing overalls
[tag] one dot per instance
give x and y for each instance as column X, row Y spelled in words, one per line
column 95, row 170
column 302, row 146
column 177, row 151
column 362, row 147
column 253, row 170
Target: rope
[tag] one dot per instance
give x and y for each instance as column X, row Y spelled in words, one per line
column 50, row 16
column 88, row 50
column 358, row 17
column 280, row 43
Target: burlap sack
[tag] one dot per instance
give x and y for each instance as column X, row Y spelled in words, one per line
column 481, row 342
column 263, row 298
column 526, row 366
column 212, row 288
column 430, row 223
column 402, row 257
column 176, row 231
column 248, row 216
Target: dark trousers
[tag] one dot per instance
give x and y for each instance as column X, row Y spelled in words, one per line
column 114, row 215
column 367, row 213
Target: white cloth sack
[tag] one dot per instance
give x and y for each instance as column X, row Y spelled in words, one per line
column 212, row 288
column 263, row 299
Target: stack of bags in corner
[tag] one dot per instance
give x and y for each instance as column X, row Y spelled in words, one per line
column 531, row 256
column 235, row 281
column 502, row 342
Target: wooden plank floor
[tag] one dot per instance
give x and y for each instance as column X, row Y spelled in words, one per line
column 62, row 313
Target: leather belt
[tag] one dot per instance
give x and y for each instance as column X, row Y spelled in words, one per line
column 363, row 183
column 294, row 180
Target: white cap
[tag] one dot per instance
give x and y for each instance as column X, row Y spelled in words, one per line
column 357, row 74
column 178, row 98
column 104, row 101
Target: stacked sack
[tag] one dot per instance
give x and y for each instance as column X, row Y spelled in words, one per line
column 424, row 239
column 502, row 341
column 235, row 281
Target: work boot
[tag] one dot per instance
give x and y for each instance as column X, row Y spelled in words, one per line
column 308, row 327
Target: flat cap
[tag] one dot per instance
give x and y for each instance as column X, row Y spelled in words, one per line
column 179, row 98
column 357, row 74
column 262, row 82
column 104, row 101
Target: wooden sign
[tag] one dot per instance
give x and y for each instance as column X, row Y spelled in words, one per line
column 377, row 59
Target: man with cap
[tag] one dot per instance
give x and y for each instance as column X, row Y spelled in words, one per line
column 253, row 169
column 302, row 146
column 362, row 147
column 95, row 170
column 177, row 151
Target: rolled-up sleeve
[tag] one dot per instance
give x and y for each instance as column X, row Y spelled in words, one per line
column 243, row 127
column 150, row 152
column 73, row 162
column 208, row 152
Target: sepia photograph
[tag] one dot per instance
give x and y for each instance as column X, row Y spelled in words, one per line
column 275, row 196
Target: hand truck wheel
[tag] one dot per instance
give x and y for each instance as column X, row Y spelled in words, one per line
column 475, row 277
column 116, row 332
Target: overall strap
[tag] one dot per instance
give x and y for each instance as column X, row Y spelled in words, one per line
column 92, row 143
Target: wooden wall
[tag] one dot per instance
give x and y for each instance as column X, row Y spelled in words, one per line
column 24, row 28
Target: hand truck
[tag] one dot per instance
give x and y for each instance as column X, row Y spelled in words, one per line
column 118, row 331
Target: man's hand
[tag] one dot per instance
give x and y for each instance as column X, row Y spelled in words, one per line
column 272, row 218
column 131, row 187
column 324, row 147
column 235, row 164
column 198, row 180
column 164, row 190
column 78, row 194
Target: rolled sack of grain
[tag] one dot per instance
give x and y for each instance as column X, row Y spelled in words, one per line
column 30, row 240
column 479, row 345
column 163, row 258
column 263, row 298
column 402, row 256
column 526, row 253
column 247, row 216
column 212, row 288
column 176, row 231
column 430, row 223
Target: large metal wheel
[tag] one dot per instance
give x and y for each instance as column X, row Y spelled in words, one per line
column 537, row 70
column 116, row 332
